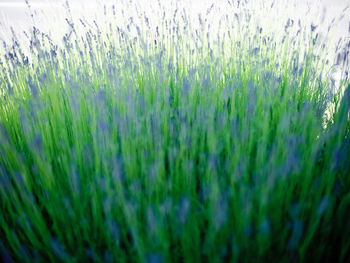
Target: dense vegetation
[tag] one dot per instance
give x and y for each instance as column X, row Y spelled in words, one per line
column 138, row 142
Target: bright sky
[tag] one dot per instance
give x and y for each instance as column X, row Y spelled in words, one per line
column 9, row 8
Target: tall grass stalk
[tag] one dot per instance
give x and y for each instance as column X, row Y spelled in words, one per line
column 143, row 142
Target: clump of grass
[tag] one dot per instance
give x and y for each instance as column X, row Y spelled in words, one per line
column 163, row 143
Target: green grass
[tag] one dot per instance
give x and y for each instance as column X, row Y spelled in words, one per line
column 172, row 148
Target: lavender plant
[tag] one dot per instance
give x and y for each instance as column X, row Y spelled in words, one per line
column 133, row 141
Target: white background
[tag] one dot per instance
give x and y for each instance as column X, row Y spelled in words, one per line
column 50, row 14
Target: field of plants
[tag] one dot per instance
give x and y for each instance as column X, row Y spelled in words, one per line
column 166, row 137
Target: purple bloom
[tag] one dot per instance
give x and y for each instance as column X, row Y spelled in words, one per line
column 184, row 209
